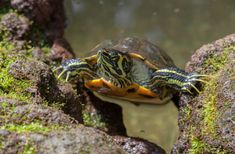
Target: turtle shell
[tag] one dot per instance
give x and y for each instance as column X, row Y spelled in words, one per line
column 148, row 50
column 140, row 73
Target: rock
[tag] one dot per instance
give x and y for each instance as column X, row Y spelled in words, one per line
column 18, row 112
column 75, row 140
column 49, row 16
column 45, row 86
column 39, row 55
column 61, row 50
column 43, row 12
column 206, row 122
column 16, row 25
column 72, row 141
column 137, row 146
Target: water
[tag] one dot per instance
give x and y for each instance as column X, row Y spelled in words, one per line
column 178, row 26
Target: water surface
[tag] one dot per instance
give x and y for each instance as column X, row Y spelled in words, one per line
column 178, row 26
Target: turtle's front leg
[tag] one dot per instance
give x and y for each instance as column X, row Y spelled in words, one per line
column 177, row 79
column 76, row 67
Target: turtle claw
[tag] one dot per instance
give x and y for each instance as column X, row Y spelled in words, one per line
column 199, row 80
column 190, row 82
column 198, row 75
column 56, row 69
column 61, row 74
column 194, row 77
column 67, row 76
column 186, row 90
column 188, row 87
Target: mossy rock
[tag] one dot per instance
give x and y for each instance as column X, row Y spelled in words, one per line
column 206, row 122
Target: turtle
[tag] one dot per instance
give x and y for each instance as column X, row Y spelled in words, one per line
column 130, row 69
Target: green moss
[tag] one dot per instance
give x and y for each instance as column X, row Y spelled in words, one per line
column 216, row 62
column 187, row 112
column 197, row 146
column 46, row 49
column 10, row 87
column 209, row 109
column 6, row 46
column 93, row 120
column 5, row 79
column 1, row 142
column 35, row 127
column 29, row 148
column 5, row 106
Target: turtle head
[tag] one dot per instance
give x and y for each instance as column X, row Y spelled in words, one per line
column 115, row 65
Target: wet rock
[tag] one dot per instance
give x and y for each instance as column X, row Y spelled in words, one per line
column 137, row 146
column 45, row 86
column 46, row 13
column 76, row 140
column 61, row 50
column 206, row 122
column 38, row 54
column 49, row 16
column 207, row 51
column 18, row 112
column 16, row 25
column 73, row 102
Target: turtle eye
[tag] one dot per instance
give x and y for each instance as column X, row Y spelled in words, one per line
column 126, row 65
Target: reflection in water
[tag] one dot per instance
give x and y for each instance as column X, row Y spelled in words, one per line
column 179, row 27
column 156, row 123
